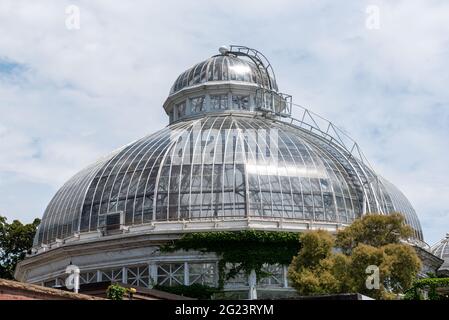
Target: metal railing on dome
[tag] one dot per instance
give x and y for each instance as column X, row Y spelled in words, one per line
column 259, row 60
column 331, row 133
column 319, row 125
column 270, row 101
column 280, row 104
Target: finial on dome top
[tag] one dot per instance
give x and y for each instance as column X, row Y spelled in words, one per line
column 223, row 50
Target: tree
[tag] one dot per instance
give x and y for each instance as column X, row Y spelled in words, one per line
column 327, row 264
column 309, row 270
column 15, row 240
column 375, row 230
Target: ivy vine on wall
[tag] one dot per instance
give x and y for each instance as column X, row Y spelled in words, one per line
column 430, row 284
column 243, row 250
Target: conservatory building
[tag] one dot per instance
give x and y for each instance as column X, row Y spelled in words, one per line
column 237, row 154
column 441, row 250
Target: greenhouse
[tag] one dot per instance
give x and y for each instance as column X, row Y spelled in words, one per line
column 441, row 250
column 237, row 154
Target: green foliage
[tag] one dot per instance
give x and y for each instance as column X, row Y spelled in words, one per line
column 244, row 250
column 363, row 256
column 307, row 270
column 403, row 265
column 429, row 284
column 196, row 290
column 116, row 292
column 15, row 240
column 371, row 240
column 375, row 230
column 315, row 246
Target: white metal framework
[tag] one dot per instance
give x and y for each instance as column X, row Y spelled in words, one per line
column 158, row 178
column 232, row 151
column 176, row 273
column 231, row 158
column 441, row 250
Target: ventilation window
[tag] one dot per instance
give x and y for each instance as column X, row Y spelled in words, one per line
column 111, row 221
column 240, row 102
column 180, row 110
column 219, row 102
column 197, row 104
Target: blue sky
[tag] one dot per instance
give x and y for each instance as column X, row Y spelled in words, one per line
column 68, row 97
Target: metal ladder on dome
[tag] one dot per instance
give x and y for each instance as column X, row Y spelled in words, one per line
column 331, row 133
column 310, row 121
column 259, row 60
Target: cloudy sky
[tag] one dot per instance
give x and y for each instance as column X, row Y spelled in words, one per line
column 70, row 95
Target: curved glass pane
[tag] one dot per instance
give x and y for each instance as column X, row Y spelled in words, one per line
column 441, row 250
column 223, row 68
column 223, row 167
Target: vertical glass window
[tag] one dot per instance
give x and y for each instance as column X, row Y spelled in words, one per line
column 202, row 273
column 180, row 110
column 219, row 102
column 170, row 274
column 197, row 73
column 197, row 104
column 138, row 276
column 240, row 102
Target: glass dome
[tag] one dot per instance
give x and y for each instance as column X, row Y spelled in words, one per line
column 223, row 167
column 232, row 152
column 224, row 67
column 441, row 250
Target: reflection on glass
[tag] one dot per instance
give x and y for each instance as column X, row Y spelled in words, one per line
column 240, row 102
column 197, row 104
column 155, row 178
column 180, row 109
column 219, row 102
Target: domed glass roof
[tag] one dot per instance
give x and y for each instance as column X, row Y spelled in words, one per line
column 231, row 154
column 223, row 167
column 224, row 68
column 441, row 250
